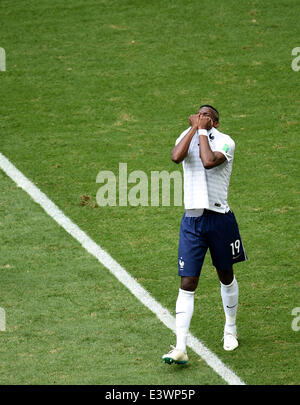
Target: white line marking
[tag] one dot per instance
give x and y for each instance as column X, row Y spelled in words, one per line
column 114, row 267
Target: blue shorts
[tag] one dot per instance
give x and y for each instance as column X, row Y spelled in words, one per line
column 214, row 231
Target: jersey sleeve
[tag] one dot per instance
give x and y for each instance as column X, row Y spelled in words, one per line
column 181, row 136
column 226, row 147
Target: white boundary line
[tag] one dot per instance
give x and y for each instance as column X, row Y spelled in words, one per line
column 114, row 267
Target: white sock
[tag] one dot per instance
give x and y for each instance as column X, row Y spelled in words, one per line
column 230, row 298
column 184, row 313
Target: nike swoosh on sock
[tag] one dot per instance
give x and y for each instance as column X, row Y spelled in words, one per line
column 232, row 306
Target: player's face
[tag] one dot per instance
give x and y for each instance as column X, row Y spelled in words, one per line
column 208, row 112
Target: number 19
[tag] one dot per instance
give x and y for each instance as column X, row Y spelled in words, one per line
column 235, row 247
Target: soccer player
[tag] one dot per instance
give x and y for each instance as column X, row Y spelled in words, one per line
column 208, row 223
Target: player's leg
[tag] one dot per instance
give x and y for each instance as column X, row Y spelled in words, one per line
column 230, row 298
column 226, row 276
column 226, row 248
column 184, row 310
column 184, row 313
column 191, row 254
column 189, row 283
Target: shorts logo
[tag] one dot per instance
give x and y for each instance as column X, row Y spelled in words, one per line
column 181, row 264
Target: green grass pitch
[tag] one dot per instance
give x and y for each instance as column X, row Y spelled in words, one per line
column 90, row 84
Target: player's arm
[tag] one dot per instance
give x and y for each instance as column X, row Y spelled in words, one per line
column 209, row 158
column 180, row 150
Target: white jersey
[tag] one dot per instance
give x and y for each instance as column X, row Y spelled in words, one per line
column 207, row 188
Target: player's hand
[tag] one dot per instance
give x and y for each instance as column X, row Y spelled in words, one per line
column 204, row 122
column 194, row 120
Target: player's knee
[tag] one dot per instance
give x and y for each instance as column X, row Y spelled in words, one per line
column 225, row 276
column 189, row 283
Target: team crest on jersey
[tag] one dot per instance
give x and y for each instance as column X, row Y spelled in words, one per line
column 181, row 264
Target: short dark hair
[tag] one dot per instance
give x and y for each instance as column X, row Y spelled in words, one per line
column 213, row 108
